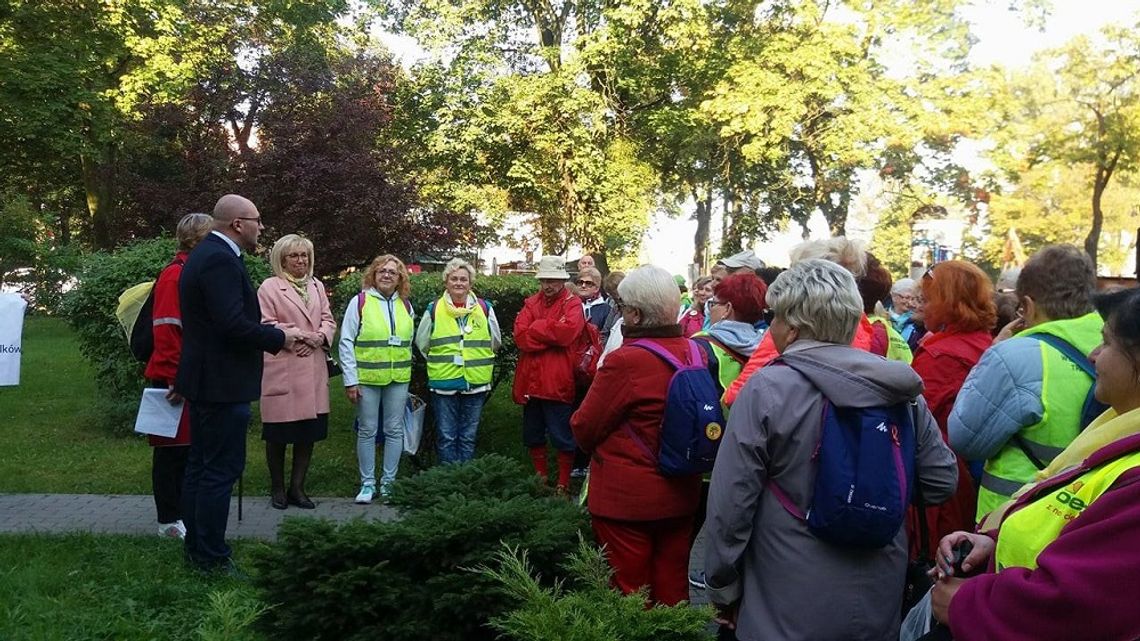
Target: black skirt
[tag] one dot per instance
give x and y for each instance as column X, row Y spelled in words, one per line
column 309, row 430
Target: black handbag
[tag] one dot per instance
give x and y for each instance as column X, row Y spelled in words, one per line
column 334, row 368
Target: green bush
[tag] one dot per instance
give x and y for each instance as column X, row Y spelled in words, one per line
column 585, row 607
column 506, row 294
column 90, row 310
column 410, row 579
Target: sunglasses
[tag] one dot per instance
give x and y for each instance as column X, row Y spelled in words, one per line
column 585, row 283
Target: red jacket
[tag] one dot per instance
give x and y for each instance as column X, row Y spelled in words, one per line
column 544, row 332
column 630, row 390
column 943, row 360
column 163, row 363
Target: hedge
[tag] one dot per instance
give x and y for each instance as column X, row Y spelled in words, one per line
column 412, row 579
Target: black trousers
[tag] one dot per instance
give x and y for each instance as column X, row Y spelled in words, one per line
column 168, row 466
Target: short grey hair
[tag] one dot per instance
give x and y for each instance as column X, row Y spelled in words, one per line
column 849, row 254
column 652, row 291
column 192, row 229
column 455, row 264
column 903, row 286
column 819, row 298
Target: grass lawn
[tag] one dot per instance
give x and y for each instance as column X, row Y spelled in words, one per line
column 53, row 442
column 86, row 587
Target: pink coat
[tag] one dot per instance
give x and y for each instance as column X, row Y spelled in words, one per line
column 295, row 388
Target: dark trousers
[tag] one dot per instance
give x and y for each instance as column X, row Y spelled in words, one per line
column 167, row 469
column 216, row 461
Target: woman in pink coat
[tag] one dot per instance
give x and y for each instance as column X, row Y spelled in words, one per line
column 295, row 383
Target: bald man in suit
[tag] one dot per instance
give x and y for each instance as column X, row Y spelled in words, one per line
column 220, row 374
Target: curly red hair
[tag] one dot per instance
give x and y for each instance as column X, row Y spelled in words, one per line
column 958, row 294
column 746, row 292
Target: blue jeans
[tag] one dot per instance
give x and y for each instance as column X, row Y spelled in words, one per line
column 376, row 401
column 457, row 423
column 215, row 462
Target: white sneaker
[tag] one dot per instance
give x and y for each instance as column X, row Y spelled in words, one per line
column 366, row 494
column 175, row 530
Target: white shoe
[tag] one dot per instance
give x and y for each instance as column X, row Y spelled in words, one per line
column 175, row 530
column 366, row 494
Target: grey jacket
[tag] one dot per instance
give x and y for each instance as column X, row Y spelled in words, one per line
column 790, row 584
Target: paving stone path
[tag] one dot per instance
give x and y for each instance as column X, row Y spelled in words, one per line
column 134, row 514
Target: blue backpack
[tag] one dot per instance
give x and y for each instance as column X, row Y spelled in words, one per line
column 865, row 474
column 693, row 424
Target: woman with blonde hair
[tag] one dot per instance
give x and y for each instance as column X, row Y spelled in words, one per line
column 295, row 382
column 458, row 336
column 376, row 356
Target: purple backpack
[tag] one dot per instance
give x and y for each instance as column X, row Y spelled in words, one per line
column 693, row 423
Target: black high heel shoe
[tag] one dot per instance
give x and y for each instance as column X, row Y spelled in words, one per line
column 302, row 501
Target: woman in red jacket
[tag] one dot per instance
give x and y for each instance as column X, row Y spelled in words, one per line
column 959, row 312
column 169, row 457
column 643, row 518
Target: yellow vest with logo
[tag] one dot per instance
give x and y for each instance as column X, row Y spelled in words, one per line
column 379, row 360
column 1029, row 530
column 1063, row 390
column 459, row 356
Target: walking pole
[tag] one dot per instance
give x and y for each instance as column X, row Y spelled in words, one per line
column 241, row 480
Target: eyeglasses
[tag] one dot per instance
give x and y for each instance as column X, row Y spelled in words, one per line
column 256, row 218
column 296, row 256
column 714, row 302
column 585, row 283
column 929, row 272
column 387, row 272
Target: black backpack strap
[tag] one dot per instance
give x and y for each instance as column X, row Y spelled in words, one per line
column 714, row 364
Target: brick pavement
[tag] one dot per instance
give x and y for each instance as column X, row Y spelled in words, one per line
column 134, row 514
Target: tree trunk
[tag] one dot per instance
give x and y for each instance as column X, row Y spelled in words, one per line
column 1100, row 183
column 99, row 185
column 704, row 221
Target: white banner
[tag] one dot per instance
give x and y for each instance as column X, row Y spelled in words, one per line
column 11, row 331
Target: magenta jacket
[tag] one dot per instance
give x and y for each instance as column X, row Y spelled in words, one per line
column 1086, row 585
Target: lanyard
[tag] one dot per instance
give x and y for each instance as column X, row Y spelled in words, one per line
column 391, row 316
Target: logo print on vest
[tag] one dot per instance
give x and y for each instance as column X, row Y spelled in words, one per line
column 713, row 431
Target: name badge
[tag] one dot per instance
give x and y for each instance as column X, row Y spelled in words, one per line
column 394, row 340
column 467, row 328
column 457, row 359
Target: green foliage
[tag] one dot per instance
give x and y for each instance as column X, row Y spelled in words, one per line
column 17, row 234
column 486, row 477
column 890, row 242
column 584, row 606
column 406, row 580
column 90, row 310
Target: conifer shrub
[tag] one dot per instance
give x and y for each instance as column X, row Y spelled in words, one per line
column 411, row 579
column 582, row 606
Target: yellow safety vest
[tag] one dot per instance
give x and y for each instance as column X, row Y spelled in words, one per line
column 1030, row 529
column 384, row 347
column 459, row 354
column 1063, row 390
column 897, row 347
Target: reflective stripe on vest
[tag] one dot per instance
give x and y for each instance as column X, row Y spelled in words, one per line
column 449, row 342
column 378, row 362
column 1030, row 529
column 1063, row 390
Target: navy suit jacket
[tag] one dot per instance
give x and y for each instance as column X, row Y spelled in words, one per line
column 222, row 334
